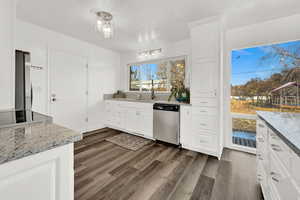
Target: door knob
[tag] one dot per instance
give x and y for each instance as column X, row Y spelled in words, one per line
column 53, row 99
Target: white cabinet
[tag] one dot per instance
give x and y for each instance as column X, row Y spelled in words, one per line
column 146, row 123
column 205, row 37
column 131, row 120
column 198, row 130
column 204, row 80
column 277, row 166
column 200, row 123
column 44, row 176
column 115, row 115
column 206, row 59
column 136, row 118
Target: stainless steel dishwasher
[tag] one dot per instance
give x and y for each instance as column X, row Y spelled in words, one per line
column 166, row 122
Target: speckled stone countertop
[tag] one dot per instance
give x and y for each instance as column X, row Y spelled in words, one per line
column 12, row 118
column 147, row 101
column 25, row 140
column 286, row 125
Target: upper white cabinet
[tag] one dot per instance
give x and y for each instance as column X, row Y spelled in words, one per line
column 204, row 79
column 206, row 45
column 205, row 39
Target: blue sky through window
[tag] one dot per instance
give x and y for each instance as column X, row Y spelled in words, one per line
column 247, row 63
column 151, row 68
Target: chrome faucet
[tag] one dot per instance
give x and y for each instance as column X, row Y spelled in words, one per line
column 152, row 90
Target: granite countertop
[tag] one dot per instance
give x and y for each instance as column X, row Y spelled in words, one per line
column 28, row 139
column 286, row 125
column 12, row 118
column 147, row 101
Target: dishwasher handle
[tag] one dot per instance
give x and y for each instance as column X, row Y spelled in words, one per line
column 166, row 107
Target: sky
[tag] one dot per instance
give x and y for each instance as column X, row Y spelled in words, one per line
column 247, row 64
column 152, row 68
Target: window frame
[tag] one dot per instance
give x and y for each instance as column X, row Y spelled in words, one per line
column 153, row 61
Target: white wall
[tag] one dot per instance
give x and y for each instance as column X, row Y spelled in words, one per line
column 269, row 32
column 104, row 64
column 7, row 20
column 181, row 48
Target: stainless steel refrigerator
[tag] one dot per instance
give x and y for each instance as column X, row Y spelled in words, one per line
column 23, row 87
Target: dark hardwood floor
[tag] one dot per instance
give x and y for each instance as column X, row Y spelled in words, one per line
column 159, row 172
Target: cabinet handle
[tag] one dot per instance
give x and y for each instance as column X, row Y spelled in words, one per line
column 260, row 139
column 203, row 102
column 203, row 111
column 274, row 136
column 203, row 124
column 275, row 179
column 273, row 176
column 276, row 147
column 261, row 126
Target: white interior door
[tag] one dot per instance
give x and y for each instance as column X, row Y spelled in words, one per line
column 68, row 87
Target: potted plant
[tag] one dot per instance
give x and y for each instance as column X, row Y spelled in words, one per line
column 180, row 92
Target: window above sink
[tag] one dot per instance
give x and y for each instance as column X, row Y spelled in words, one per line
column 162, row 74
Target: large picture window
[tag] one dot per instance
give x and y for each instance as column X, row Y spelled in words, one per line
column 161, row 74
column 264, row 78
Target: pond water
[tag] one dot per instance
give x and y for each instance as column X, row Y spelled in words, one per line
column 244, row 135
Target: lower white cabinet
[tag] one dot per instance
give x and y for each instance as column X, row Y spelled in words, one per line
column 199, row 130
column 277, row 166
column 44, row 176
column 136, row 118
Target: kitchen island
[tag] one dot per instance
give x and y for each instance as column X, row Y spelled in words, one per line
column 36, row 161
column 278, row 151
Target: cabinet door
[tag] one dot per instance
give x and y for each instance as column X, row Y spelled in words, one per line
column 108, row 113
column 131, row 120
column 185, row 124
column 146, row 124
column 204, row 79
column 205, row 40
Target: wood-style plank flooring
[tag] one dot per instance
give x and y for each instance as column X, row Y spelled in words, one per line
column 160, row 172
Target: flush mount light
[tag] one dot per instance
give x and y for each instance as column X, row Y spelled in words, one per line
column 104, row 24
column 148, row 53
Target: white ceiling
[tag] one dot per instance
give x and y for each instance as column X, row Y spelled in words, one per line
column 141, row 24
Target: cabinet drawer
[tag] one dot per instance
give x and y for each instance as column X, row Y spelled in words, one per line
column 280, row 181
column 279, row 148
column 262, row 178
column 205, row 111
column 200, row 122
column 262, row 151
column 205, row 141
column 204, row 102
column 262, row 129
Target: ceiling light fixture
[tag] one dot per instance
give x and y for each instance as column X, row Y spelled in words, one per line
column 104, row 24
column 152, row 52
